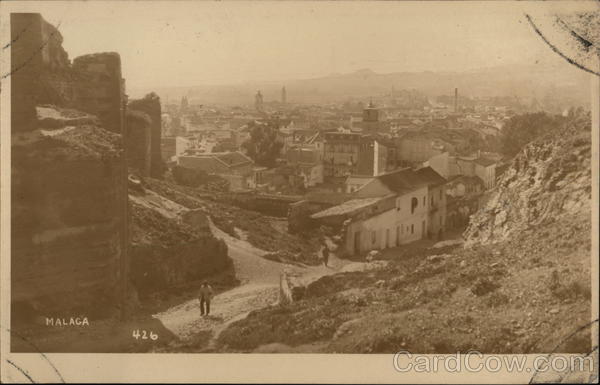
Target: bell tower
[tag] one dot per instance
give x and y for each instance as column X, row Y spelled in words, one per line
column 371, row 113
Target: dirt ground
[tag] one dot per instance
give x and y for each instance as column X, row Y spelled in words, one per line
column 259, row 288
column 522, row 296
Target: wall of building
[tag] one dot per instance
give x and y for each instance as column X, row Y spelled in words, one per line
column 441, row 164
column 394, row 227
column 303, row 155
column 372, row 158
column 463, row 166
column 457, row 190
column 437, row 212
column 416, row 149
column 487, row 175
column 181, row 144
column 448, row 166
column 168, row 147
column 246, row 169
column 340, row 155
column 411, row 221
column 380, row 158
column 313, row 175
column 366, row 162
column 236, row 182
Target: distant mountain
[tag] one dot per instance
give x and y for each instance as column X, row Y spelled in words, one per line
column 561, row 84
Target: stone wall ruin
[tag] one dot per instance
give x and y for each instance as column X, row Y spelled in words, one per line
column 150, row 105
column 69, row 191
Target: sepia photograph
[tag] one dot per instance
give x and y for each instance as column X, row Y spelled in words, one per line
column 412, row 182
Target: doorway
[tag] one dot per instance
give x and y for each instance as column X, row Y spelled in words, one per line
column 357, row 242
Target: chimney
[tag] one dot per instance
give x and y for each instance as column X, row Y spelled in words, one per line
column 456, row 100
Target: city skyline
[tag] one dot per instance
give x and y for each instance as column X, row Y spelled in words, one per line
column 235, row 43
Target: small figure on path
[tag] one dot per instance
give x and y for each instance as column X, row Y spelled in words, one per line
column 325, row 253
column 205, row 297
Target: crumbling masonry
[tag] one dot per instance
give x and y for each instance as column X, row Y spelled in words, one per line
column 150, row 105
column 69, row 189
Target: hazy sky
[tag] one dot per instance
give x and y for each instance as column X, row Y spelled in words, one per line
column 195, row 43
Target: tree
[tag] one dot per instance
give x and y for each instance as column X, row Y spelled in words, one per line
column 263, row 146
column 522, row 129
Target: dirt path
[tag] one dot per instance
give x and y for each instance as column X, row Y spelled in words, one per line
column 259, row 288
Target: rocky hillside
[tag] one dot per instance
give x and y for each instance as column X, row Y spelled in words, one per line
column 549, row 180
column 522, row 284
column 264, row 232
column 172, row 247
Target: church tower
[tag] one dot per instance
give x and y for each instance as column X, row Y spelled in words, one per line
column 371, row 113
column 258, row 101
column 183, row 107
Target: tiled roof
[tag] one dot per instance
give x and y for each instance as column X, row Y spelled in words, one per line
column 407, row 179
column 465, row 179
column 348, row 207
column 358, row 178
column 430, row 176
column 484, row 162
column 328, row 197
column 233, row 158
column 401, row 181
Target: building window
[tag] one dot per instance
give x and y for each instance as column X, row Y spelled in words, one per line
column 414, row 202
column 373, row 236
column 424, row 200
column 412, row 229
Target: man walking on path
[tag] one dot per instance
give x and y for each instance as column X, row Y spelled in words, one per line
column 325, row 253
column 205, row 296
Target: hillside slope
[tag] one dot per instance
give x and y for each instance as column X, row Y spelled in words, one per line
column 548, row 181
column 267, row 233
column 522, row 284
